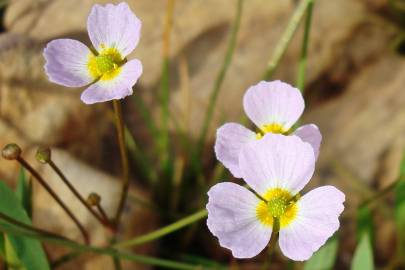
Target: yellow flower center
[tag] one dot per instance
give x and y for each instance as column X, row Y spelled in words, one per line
column 271, row 128
column 280, row 204
column 106, row 65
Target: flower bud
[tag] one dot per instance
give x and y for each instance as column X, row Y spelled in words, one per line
column 11, row 151
column 43, row 155
column 93, row 199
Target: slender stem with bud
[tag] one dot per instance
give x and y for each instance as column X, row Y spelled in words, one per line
column 124, row 159
column 44, row 156
column 45, row 185
column 13, row 152
column 95, row 200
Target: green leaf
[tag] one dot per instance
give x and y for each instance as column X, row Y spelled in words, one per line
column 11, row 256
column 325, row 257
column 363, row 256
column 29, row 251
column 364, row 222
column 24, row 192
column 400, row 206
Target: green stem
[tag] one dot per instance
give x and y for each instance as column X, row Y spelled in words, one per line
column 119, row 122
column 27, row 227
column 304, row 49
column 380, row 194
column 146, row 116
column 65, row 259
column 220, row 78
column 102, row 251
column 164, row 85
column 164, row 231
column 282, row 45
column 140, row 158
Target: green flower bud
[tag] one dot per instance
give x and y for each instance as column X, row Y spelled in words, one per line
column 11, row 151
column 43, row 155
column 93, row 199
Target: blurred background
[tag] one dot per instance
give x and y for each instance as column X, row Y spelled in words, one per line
column 354, row 92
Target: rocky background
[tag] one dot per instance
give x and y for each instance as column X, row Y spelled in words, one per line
column 354, row 92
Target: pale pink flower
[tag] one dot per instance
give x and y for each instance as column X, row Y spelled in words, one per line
column 277, row 168
column 273, row 107
column 114, row 31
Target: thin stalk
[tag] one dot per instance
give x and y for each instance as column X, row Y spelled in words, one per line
column 117, row 263
column 102, row 250
column 164, row 84
column 147, row 116
column 380, row 194
column 65, row 259
column 102, row 212
column 304, row 49
column 55, row 196
column 28, row 227
column 221, row 76
column 272, row 246
column 119, row 122
column 77, row 194
column 140, row 158
column 163, row 231
column 282, row 45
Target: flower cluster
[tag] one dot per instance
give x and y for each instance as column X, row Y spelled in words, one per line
column 114, row 31
column 276, row 163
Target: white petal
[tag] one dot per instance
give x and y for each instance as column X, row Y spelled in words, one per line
column 66, row 62
column 273, row 102
column 277, row 161
column 232, row 218
column 310, row 133
column 114, row 26
column 116, row 88
column 317, row 219
column 231, row 137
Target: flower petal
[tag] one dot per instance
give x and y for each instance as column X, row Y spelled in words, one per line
column 277, row 161
column 66, row 62
column 317, row 219
column 114, row 26
column 273, row 102
column 116, row 88
column 232, row 218
column 231, row 137
column 310, row 133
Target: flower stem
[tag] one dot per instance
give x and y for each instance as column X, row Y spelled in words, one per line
column 282, row 45
column 163, row 231
column 380, row 194
column 102, row 250
column 119, row 122
column 29, row 227
column 55, row 196
column 304, row 49
column 164, row 86
column 220, row 77
column 77, row 194
column 102, row 212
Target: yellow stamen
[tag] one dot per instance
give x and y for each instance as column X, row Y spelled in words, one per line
column 271, row 128
column 106, row 65
column 280, row 204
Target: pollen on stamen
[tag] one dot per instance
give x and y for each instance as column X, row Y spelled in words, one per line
column 106, row 65
column 279, row 205
column 271, row 128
